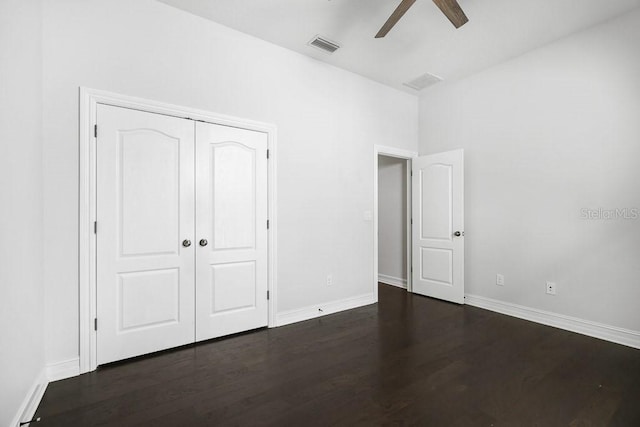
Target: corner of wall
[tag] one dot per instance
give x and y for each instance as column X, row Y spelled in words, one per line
column 32, row 399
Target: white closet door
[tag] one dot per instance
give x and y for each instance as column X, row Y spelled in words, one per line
column 231, row 230
column 145, row 213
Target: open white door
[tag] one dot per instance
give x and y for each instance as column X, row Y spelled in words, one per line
column 145, row 223
column 438, row 226
column 231, row 229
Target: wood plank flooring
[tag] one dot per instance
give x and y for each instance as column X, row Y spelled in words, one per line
column 408, row 360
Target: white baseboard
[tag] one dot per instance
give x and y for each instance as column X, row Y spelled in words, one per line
column 585, row 327
column 31, row 401
column 311, row 312
column 393, row 281
column 62, row 370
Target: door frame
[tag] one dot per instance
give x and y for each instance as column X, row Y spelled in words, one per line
column 89, row 100
column 398, row 153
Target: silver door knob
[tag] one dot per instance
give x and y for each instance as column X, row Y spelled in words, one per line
column 458, row 234
column 203, row 242
column 186, row 243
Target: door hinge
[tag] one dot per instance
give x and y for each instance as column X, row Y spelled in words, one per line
column 95, row 323
column 267, row 154
column 411, row 173
column 95, row 227
column 95, row 131
column 267, row 224
column 268, row 294
column 411, row 221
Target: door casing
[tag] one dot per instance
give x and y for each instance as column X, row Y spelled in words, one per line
column 398, row 153
column 89, row 100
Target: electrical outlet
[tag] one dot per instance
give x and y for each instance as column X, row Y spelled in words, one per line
column 551, row 288
column 499, row 280
column 329, row 280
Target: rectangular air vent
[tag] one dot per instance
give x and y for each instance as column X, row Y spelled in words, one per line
column 323, row 44
column 423, row 81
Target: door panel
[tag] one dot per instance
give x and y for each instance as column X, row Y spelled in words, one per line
column 438, row 213
column 145, row 208
column 436, row 210
column 231, row 204
column 437, row 265
column 233, row 195
column 233, row 287
column 147, row 172
column 148, row 298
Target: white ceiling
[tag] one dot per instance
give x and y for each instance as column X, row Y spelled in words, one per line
column 423, row 41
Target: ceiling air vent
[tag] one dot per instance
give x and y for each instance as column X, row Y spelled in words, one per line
column 324, row 44
column 423, row 81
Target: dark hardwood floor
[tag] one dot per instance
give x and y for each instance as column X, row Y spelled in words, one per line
column 407, row 360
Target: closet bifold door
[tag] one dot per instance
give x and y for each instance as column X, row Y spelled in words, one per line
column 145, row 225
column 231, row 230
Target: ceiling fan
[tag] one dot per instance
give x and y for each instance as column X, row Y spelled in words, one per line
column 450, row 8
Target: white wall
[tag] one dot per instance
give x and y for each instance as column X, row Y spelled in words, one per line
column 545, row 135
column 392, row 219
column 328, row 121
column 21, row 287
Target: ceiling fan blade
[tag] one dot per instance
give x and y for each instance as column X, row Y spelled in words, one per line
column 453, row 11
column 395, row 17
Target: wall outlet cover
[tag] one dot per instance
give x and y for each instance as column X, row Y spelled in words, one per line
column 551, row 288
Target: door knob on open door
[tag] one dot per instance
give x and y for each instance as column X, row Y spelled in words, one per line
column 458, row 233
